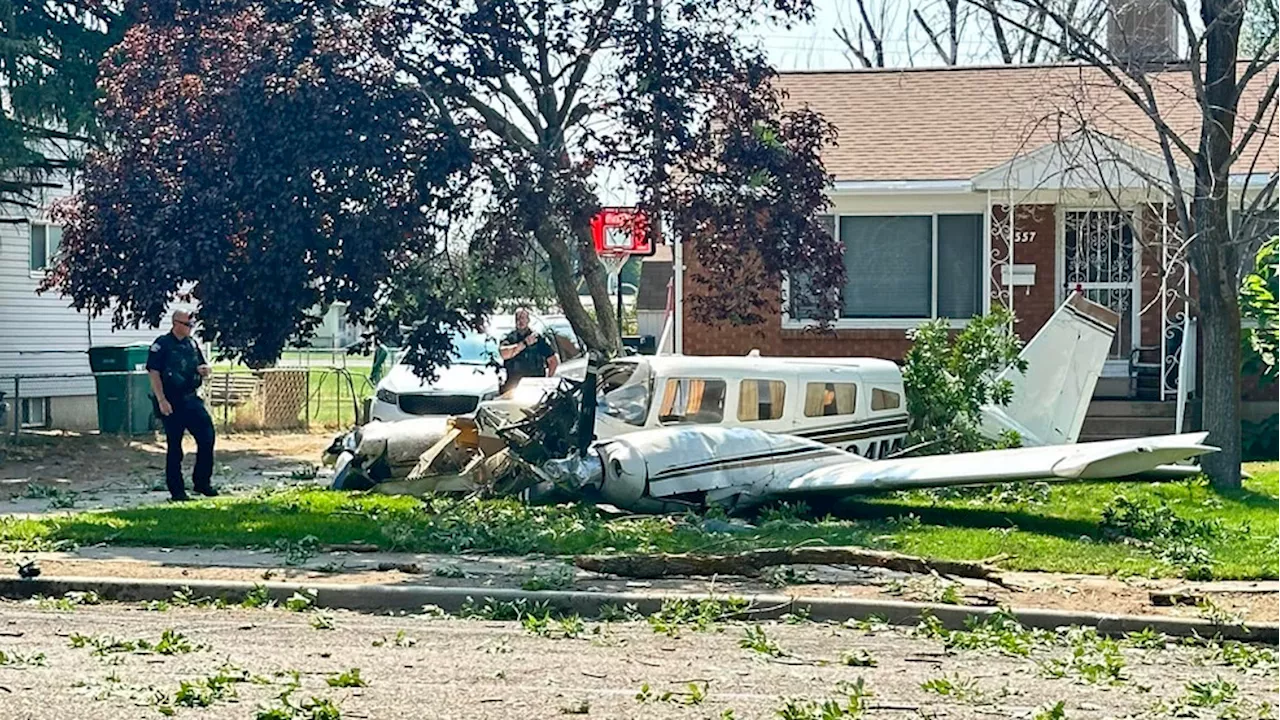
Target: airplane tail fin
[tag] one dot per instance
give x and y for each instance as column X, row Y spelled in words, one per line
column 1064, row 361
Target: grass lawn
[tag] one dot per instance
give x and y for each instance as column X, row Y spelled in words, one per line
column 1057, row 528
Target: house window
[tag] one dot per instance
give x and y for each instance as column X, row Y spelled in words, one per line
column 45, row 241
column 761, row 399
column 884, row 399
column 35, row 412
column 905, row 266
column 825, row 399
column 692, row 400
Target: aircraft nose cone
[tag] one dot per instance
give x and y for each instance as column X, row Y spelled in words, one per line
column 625, row 474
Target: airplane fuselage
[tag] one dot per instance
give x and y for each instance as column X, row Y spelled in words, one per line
column 854, row 404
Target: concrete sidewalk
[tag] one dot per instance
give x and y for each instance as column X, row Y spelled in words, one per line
column 369, row 578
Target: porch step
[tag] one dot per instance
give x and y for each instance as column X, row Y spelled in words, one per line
column 1114, row 419
column 1131, row 408
column 1109, row 428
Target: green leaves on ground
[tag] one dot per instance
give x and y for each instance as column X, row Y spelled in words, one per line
column 348, row 679
column 171, row 642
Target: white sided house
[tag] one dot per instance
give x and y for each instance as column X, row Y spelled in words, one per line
column 44, row 342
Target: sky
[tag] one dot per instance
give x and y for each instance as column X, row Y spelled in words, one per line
column 815, row 46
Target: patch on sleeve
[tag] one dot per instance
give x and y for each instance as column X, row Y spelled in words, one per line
column 155, row 347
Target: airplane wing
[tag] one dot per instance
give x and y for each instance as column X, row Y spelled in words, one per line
column 1084, row 461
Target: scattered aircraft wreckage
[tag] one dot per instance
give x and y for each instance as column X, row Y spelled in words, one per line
column 669, row 433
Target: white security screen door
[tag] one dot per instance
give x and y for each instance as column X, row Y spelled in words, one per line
column 1100, row 261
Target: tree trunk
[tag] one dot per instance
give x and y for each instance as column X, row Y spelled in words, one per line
column 1214, row 258
column 1215, row 263
column 565, row 284
column 1220, row 387
column 598, row 286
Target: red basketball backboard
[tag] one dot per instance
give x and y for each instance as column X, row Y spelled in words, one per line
column 621, row 231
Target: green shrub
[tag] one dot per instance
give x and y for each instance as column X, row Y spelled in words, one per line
column 948, row 381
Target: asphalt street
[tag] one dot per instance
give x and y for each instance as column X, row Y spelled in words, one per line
column 59, row 664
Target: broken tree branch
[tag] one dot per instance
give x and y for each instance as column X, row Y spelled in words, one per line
column 752, row 562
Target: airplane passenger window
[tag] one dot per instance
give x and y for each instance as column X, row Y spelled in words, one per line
column 823, row 399
column 761, row 399
column 692, row 400
column 884, row 400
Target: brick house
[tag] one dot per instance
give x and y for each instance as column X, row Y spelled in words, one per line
column 927, row 166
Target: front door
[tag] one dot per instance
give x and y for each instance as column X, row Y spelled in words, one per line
column 1100, row 260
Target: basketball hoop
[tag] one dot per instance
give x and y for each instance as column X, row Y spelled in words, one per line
column 618, row 234
column 613, row 262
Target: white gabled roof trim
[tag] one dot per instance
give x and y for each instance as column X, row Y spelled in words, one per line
column 1084, row 161
column 901, row 187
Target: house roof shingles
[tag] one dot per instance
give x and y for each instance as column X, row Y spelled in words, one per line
column 953, row 123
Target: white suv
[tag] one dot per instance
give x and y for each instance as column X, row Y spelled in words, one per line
column 475, row 375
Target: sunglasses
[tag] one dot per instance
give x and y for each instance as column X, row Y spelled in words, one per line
column 187, row 323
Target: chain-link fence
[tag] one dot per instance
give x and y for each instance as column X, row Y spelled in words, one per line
column 299, row 395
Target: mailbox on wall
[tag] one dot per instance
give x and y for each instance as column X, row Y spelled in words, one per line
column 1018, row 276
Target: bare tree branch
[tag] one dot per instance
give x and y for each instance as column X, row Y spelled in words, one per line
column 933, row 37
column 1002, row 42
column 858, row 46
column 1104, row 60
column 1265, row 103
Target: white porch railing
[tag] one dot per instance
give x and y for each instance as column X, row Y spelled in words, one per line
column 1186, row 370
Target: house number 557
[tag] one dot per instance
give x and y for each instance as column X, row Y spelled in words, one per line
column 1024, row 236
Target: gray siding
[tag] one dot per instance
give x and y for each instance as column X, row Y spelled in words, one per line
column 42, row 334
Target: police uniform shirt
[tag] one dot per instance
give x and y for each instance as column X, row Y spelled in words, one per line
column 529, row 362
column 176, row 361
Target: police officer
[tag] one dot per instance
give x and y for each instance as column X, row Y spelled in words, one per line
column 525, row 353
column 177, row 367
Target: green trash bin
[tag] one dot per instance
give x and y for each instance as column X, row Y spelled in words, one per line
column 124, row 391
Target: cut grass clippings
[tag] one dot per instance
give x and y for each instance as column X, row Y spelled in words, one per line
column 1059, row 531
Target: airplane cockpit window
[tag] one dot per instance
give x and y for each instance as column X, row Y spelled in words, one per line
column 624, row 391
column 692, row 400
column 824, row 399
column 761, row 399
column 884, row 399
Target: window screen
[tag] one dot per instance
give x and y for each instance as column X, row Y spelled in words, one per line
column 959, row 263
column 692, row 400
column 761, row 399
column 39, row 247
column 888, row 266
column 823, row 399
column 884, row 399
column 801, row 298
column 45, row 240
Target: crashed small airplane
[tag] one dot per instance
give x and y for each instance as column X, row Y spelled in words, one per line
column 740, row 431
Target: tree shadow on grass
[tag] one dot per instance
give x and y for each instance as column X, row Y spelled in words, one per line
column 1249, row 498
column 978, row 518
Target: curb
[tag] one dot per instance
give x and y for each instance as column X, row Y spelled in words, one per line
column 452, row 599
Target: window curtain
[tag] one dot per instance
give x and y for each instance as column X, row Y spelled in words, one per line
column 803, row 301
column 959, row 266
column 846, row 393
column 749, row 400
column 814, row 399
column 754, row 395
column 888, row 266
column 696, row 389
column 668, row 398
column 884, row 400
